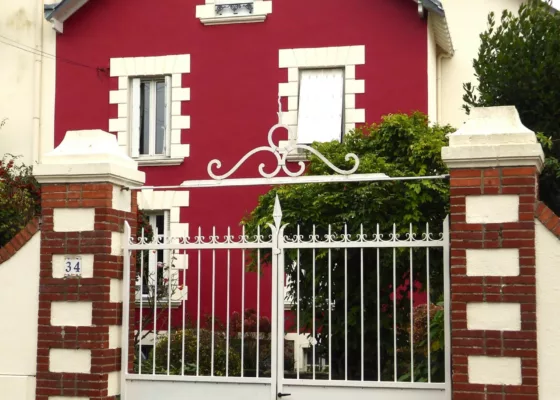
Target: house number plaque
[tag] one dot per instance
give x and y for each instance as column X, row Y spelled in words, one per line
column 73, row 266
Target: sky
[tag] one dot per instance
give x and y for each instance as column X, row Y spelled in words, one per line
column 556, row 3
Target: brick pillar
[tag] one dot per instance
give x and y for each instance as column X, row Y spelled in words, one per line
column 86, row 199
column 495, row 162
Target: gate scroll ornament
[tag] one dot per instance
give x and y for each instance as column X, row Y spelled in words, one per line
column 281, row 154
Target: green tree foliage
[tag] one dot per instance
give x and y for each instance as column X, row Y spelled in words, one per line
column 518, row 64
column 400, row 146
column 20, row 198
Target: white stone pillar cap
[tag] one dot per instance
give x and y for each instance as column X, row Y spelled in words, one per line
column 86, row 157
column 493, row 137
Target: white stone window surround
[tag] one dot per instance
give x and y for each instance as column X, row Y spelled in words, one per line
column 346, row 57
column 208, row 15
column 126, row 69
column 170, row 203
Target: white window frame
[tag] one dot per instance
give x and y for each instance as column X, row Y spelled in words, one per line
column 126, row 126
column 317, row 133
column 169, row 202
column 152, row 254
column 136, row 113
column 152, row 218
column 209, row 13
column 346, row 57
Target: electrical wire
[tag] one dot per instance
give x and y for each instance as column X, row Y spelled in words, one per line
column 36, row 52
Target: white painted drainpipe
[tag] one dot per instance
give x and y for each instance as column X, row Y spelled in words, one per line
column 439, row 89
column 37, row 84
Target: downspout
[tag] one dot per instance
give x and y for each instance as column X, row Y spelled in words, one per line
column 439, row 86
column 37, row 85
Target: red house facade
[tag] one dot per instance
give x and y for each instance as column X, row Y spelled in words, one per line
column 183, row 82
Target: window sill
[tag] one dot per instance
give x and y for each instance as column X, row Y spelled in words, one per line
column 233, row 19
column 173, row 303
column 159, row 161
column 295, row 156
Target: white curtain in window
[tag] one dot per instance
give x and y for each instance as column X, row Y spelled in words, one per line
column 135, row 136
column 320, row 105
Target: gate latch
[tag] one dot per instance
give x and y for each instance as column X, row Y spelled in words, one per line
column 280, row 395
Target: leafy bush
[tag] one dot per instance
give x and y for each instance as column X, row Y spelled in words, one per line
column 20, row 197
column 422, row 358
column 189, row 338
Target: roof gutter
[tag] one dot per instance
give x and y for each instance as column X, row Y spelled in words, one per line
column 57, row 14
column 441, row 27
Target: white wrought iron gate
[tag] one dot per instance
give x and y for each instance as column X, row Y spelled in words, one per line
column 303, row 312
column 319, row 273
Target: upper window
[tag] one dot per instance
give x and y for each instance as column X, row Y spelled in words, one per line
column 216, row 12
column 151, row 117
column 322, row 92
column 149, row 104
column 234, row 7
column 321, row 98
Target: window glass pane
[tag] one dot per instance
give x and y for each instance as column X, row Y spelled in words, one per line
column 145, row 118
column 320, row 105
column 160, row 226
column 160, row 117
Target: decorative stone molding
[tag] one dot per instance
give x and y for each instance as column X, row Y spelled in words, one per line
column 346, row 57
column 493, row 137
column 19, row 240
column 127, row 68
column 93, row 154
column 494, row 163
column 168, row 200
column 219, row 12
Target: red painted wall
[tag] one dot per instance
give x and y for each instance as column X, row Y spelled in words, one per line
column 234, row 87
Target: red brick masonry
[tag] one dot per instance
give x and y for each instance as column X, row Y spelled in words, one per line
column 548, row 218
column 515, row 289
column 104, row 360
column 19, row 240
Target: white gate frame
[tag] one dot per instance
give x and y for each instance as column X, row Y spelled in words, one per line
column 279, row 243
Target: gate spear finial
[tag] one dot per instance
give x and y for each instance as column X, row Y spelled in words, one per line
column 277, row 212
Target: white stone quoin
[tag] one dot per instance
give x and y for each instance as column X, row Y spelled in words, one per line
column 489, row 209
column 495, row 370
column 73, row 219
column 494, row 316
column 492, row 262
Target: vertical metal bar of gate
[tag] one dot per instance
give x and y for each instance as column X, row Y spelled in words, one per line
column 275, row 329
column 125, row 331
column 280, row 320
column 447, row 305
